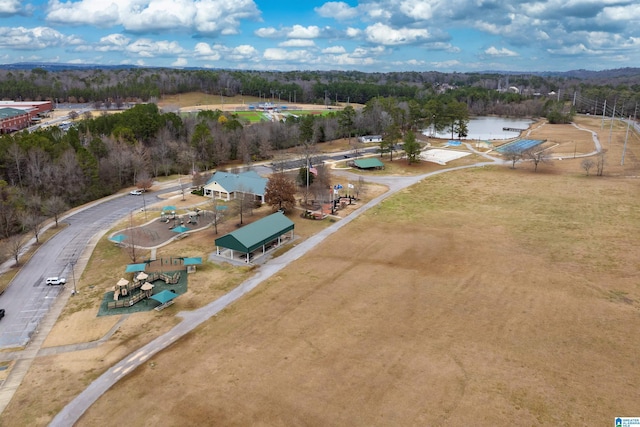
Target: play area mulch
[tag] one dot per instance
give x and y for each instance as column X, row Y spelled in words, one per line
column 159, row 230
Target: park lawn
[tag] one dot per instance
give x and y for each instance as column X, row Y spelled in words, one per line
column 449, row 301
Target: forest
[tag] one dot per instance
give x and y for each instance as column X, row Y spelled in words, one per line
column 43, row 173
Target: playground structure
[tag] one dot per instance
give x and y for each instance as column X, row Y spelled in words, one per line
column 150, row 279
column 140, row 288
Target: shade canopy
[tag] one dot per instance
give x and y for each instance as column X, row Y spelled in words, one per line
column 180, row 229
column 118, row 238
column 134, row 268
column 164, row 296
column 168, row 208
column 146, row 286
column 142, row 275
column 122, row 282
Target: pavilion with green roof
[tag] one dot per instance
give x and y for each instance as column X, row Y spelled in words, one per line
column 261, row 235
column 368, row 163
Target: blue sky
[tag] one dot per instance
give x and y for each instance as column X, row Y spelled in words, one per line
column 365, row 35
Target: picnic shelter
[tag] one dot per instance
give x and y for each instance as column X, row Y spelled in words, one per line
column 264, row 234
column 368, row 163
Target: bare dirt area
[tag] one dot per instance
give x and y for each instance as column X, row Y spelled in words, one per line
column 488, row 296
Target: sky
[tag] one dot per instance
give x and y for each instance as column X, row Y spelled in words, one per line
column 364, row 35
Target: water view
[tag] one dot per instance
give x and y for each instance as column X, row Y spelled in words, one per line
column 487, row 128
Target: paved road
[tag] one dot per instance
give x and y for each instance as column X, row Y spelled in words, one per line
column 28, row 299
column 71, row 413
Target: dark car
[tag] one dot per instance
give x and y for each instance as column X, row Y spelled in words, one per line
column 1, row 313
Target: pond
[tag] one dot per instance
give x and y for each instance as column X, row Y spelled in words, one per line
column 487, row 128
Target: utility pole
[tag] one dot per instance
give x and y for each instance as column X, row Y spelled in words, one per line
column 613, row 114
column 624, row 148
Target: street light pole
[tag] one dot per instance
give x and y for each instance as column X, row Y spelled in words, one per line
column 73, row 274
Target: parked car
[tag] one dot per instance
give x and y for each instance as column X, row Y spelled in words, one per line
column 135, row 192
column 1, row 313
column 54, row 281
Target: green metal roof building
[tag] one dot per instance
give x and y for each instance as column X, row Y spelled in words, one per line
column 262, row 234
column 368, row 163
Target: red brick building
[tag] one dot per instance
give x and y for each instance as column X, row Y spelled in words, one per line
column 17, row 115
column 13, row 119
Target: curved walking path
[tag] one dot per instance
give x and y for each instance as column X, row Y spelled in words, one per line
column 71, row 413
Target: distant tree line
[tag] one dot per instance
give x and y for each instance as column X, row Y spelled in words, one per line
column 484, row 93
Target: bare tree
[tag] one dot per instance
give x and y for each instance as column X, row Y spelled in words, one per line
column 514, row 156
column 537, row 156
column 601, row 162
column 54, row 206
column 587, row 164
column 132, row 240
column 8, row 215
column 18, row 157
column 15, row 244
column 218, row 215
column 244, row 202
column 139, row 160
column 33, row 221
column 359, row 187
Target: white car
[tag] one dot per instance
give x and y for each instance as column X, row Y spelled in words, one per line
column 54, row 281
column 135, row 192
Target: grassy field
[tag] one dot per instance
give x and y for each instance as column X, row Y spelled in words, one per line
column 488, row 296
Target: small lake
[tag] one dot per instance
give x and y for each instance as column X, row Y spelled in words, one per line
column 487, row 128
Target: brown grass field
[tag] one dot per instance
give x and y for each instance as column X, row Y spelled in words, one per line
column 490, row 296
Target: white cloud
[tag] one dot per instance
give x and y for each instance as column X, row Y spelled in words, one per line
column 148, row 48
column 450, row 64
column 180, row 62
column 419, row 10
column 206, row 52
column 10, row 7
column 243, row 52
column 300, row 32
column 493, row 51
column 277, row 54
column 334, row 50
column 577, row 49
column 385, row 35
column 85, row 12
column 353, row 32
column 201, row 16
column 220, row 52
column 269, row 33
column 112, row 42
column 337, row 10
column 297, row 43
column 352, row 61
column 22, row 38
